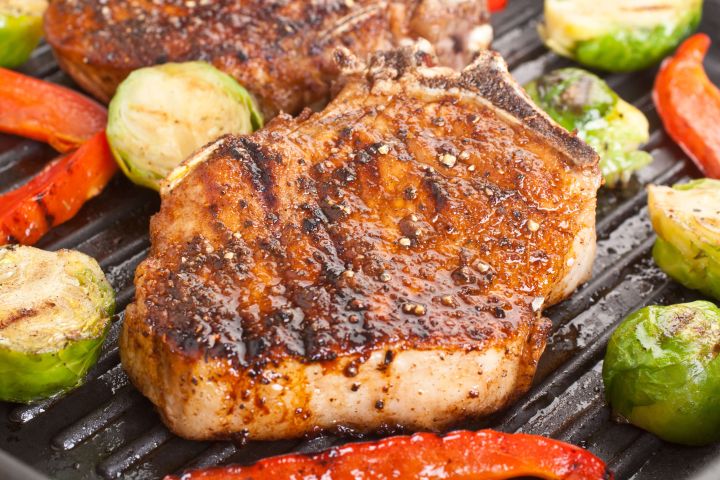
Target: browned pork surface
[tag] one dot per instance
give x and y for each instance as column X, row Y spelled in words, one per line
column 383, row 262
column 280, row 50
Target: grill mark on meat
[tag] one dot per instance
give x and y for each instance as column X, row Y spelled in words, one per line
column 324, row 296
column 364, row 161
column 315, row 300
column 347, row 326
column 255, row 160
column 209, row 323
column 301, row 298
column 323, row 331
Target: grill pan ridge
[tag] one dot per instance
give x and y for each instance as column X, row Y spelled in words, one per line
column 106, row 429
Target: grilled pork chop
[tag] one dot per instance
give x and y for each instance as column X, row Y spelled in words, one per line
column 382, row 262
column 280, row 50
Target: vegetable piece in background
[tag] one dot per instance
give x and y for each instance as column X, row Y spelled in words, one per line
column 618, row 35
column 56, row 194
column 66, row 120
column 20, row 30
column 689, row 104
column 496, row 5
column 662, row 372
column 47, row 112
column 581, row 101
column 162, row 114
column 485, row 454
column 55, row 310
column 686, row 218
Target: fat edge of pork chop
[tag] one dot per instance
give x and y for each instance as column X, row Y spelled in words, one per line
column 279, row 50
column 381, row 263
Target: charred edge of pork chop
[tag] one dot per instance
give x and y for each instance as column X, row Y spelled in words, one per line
column 391, row 387
column 277, row 50
column 487, row 77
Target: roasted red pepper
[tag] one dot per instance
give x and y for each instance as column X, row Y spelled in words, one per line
column 496, row 5
column 56, row 194
column 66, row 120
column 483, row 455
column 47, row 112
column 689, row 104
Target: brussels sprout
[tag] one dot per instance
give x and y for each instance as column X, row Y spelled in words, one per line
column 161, row 114
column 55, row 310
column 617, row 35
column 20, row 30
column 662, row 371
column 581, row 101
column 687, row 220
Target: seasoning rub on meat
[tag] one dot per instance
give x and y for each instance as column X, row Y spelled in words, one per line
column 380, row 263
column 280, row 50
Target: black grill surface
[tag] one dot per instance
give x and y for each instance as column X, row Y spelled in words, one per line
column 106, row 429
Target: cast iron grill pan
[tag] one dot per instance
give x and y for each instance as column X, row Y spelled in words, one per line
column 106, row 429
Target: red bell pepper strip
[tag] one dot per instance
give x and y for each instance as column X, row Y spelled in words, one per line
column 56, row 194
column 689, row 104
column 496, row 5
column 482, row 455
column 47, row 112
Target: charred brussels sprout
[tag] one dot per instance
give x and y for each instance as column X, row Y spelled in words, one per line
column 662, row 372
column 55, row 310
column 161, row 114
column 618, row 35
column 687, row 220
column 20, row 30
column 581, row 101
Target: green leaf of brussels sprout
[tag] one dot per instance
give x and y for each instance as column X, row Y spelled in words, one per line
column 55, row 310
column 582, row 102
column 162, row 114
column 662, row 371
column 687, row 220
column 617, row 35
column 27, row 377
column 20, row 30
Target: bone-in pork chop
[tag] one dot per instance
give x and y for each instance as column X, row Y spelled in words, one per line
column 383, row 262
column 280, row 50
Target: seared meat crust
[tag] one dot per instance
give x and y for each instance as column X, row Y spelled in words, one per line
column 382, row 262
column 280, row 50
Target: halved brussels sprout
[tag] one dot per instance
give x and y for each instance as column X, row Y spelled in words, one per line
column 55, row 310
column 161, row 114
column 20, row 30
column 662, row 372
column 618, row 35
column 686, row 218
column 582, row 102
